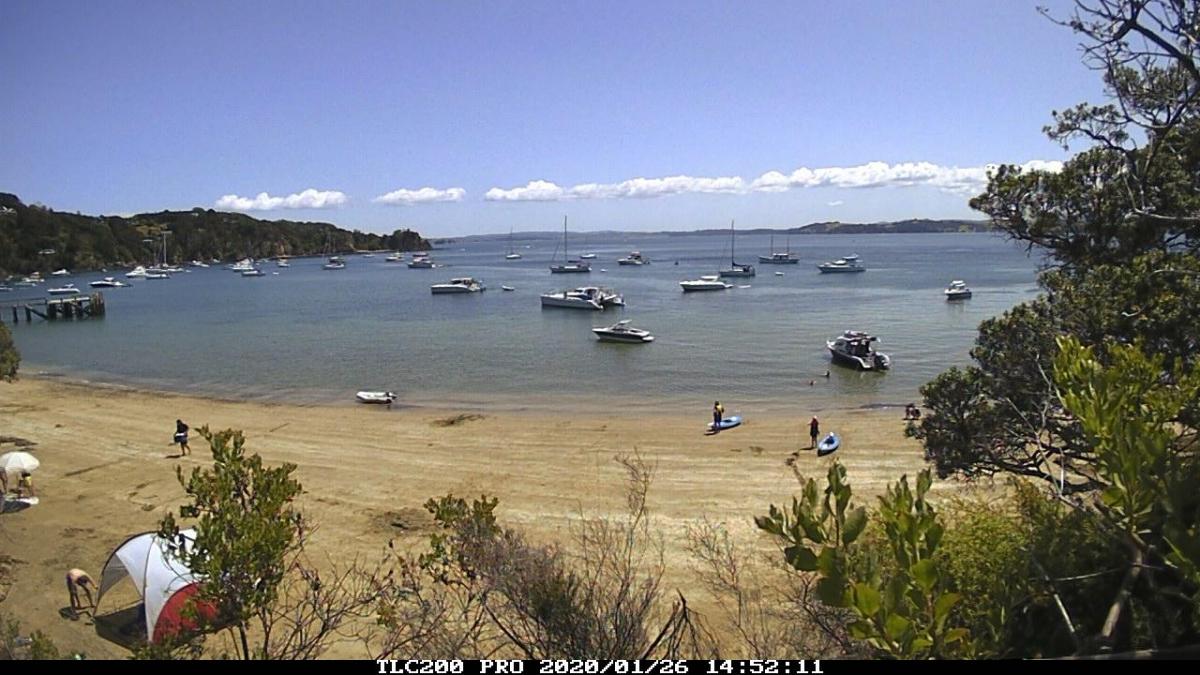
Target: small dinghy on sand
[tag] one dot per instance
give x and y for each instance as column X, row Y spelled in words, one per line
column 385, row 397
column 727, row 423
column 829, row 444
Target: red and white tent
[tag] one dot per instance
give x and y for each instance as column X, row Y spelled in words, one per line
column 164, row 583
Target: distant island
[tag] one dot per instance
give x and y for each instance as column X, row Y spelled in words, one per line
column 911, row 226
column 35, row 238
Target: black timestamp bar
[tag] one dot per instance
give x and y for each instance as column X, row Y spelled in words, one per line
column 600, row 667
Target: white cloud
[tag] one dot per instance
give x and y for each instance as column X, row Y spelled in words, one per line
column 308, row 199
column 952, row 179
column 404, row 196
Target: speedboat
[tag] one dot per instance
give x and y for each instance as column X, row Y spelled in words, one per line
column 197, row 263
column 634, row 258
column 385, row 397
column 508, row 288
column 69, row 289
column 253, row 273
column 854, row 348
column 513, row 256
column 242, row 265
column 580, row 298
column 848, row 264
column 957, row 290
column 421, row 264
column 587, row 256
column 459, row 285
column 710, row 282
column 138, row 272
column 621, row 331
column 395, row 257
column 108, row 282
column 60, row 273
column 282, row 262
column 335, row 263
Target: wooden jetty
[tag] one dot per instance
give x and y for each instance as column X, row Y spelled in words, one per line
column 53, row 309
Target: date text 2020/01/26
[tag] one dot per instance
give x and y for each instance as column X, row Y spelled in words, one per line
column 599, row 667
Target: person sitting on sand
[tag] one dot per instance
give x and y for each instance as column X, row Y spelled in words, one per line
column 25, row 485
column 181, row 437
column 78, row 580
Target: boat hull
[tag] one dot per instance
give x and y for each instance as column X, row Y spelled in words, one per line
column 570, row 269
column 570, row 303
column 962, row 295
column 841, row 270
column 773, row 261
column 736, row 273
column 627, row 338
column 455, row 290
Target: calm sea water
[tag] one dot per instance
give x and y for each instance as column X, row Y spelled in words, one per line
column 311, row 335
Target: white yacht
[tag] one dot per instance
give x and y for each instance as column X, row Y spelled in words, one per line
column 634, row 258
column 584, row 297
column 282, row 262
column 197, row 263
column 621, row 331
column 335, row 263
column 587, row 256
column 709, row 282
column 155, row 273
column 69, row 289
column 421, row 263
column 138, row 272
column 108, row 282
column 252, row 273
column 395, row 257
column 849, row 264
column 957, row 290
column 854, row 348
column 459, row 285
column 242, row 265
column 60, row 273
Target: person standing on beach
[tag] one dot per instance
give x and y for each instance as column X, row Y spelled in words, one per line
column 78, row 580
column 181, row 437
column 814, row 430
column 718, row 413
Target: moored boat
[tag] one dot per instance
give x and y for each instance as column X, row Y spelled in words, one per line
column 459, row 285
column 854, row 348
column 108, row 282
column 634, row 258
column 709, row 282
column 68, row 289
column 848, row 264
column 957, row 290
column 621, row 331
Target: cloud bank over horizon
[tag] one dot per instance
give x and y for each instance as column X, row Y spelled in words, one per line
column 953, row 179
column 308, row 199
column 425, row 195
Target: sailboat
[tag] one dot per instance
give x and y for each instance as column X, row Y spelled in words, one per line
column 160, row 270
column 335, row 262
column 512, row 255
column 570, row 266
column 785, row 258
column 734, row 269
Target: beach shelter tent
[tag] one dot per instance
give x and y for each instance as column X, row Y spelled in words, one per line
column 166, row 586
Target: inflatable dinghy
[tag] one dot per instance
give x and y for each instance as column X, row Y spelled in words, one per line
column 375, row 397
column 829, row 444
column 727, row 423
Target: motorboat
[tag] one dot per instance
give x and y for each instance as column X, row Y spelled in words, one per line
column 384, row 397
column 785, row 258
column 242, row 265
column 108, row 282
column 253, row 273
column 710, row 282
column 459, row 285
column 513, row 256
column 957, row 290
column 507, row 288
column 779, row 274
column 395, row 257
column 421, row 264
column 854, row 348
column 589, row 297
column 735, row 269
column 335, row 263
column 60, row 273
column 138, row 272
column 368, row 255
column 587, row 256
column 621, row 331
column 69, row 289
column 849, row 264
column 197, row 263
column 282, row 262
column 570, row 266
column 154, row 273
column 634, row 258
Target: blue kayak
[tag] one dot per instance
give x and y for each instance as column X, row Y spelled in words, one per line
column 829, row 444
column 727, row 423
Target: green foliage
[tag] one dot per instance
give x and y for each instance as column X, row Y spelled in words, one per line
column 899, row 595
column 91, row 242
column 10, row 358
column 246, row 528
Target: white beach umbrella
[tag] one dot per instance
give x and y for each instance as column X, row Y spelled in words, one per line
column 18, row 461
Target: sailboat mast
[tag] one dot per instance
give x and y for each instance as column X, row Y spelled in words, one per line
column 566, row 253
column 732, row 255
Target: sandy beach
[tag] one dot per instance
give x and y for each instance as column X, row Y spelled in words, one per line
column 108, row 471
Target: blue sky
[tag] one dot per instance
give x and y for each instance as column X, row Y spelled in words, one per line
column 514, row 114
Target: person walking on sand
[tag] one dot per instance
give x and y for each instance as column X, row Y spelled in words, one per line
column 181, row 437
column 718, row 413
column 814, row 430
column 78, row 580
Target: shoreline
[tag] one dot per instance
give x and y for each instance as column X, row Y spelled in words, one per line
column 109, row 471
